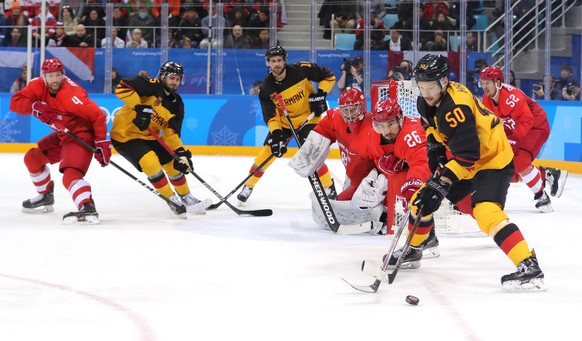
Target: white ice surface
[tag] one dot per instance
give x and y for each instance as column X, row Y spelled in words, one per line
column 144, row 275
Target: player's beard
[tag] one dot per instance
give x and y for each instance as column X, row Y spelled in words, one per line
column 390, row 138
column 278, row 72
column 54, row 86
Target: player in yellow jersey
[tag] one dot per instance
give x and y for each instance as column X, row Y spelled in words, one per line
column 154, row 103
column 468, row 147
column 293, row 82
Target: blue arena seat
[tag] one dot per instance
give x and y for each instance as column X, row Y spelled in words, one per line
column 482, row 22
column 390, row 20
column 345, row 41
column 454, row 42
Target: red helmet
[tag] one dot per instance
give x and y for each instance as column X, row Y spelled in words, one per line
column 386, row 109
column 352, row 105
column 491, row 73
column 52, row 65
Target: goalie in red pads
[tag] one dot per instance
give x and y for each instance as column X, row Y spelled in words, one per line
column 526, row 125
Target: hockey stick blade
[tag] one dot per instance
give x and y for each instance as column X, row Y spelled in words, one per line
column 255, row 213
column 365, row 288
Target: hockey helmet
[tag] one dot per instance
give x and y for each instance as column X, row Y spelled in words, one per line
column 275, row 50
column 491, row 73
column 352, row 105
column 171, row 68
column 385, row 110
column 52, row 65
column 432, row 67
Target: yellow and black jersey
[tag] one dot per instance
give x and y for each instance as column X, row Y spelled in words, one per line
column 168, row 111
column 295, row 89
column 472, row 133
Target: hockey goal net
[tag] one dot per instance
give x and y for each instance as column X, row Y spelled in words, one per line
column 447, row 219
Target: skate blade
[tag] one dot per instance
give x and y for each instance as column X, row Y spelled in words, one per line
column 199, row 208
column 432, row 252
column 535, row 284
column 83, row 220
column 407, row 265
column 38, row 210
column 561, row 183
column 546, row 208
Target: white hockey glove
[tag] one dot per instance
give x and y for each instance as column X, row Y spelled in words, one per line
column 311, row 155
column 372, row 190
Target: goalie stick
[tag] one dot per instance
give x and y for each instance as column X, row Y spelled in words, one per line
column 88, row 146
column 255, row 213
column 314, row 181
column 215, row 206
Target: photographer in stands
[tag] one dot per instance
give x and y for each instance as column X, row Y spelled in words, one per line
column 352, row 74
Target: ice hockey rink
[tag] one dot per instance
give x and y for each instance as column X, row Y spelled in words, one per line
column 144, row 275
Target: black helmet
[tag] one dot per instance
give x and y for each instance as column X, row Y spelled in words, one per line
column 170, row 68
column 276, row 50
column 432, row 67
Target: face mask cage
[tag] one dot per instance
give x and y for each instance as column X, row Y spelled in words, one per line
column 351, row 112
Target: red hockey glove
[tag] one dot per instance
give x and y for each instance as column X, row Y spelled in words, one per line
column 390, row 164
column 103, row 152
column 410, row 187
column 47, row 115
column 514, row 146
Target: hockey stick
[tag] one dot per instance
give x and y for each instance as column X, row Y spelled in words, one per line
column 392, row 275
column 380, row 276
column 88, row 146
column 256, row 213
column 314, row 181
column 260, row 167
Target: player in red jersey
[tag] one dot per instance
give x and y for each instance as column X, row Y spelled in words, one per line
column 63, row 105
column 398, row 148
column 526, row 126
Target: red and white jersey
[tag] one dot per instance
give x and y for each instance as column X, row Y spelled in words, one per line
column 519, row 112
column 410, row 145
column 77, row 112
column 333, row 127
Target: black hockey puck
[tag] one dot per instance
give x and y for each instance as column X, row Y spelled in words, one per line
column 413, row 300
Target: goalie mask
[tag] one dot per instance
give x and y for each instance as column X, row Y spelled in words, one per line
column 352, row 105
column 387, row 119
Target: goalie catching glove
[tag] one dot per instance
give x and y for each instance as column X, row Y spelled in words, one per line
column 184, row 164
column 372, row 190
column 311, row 155
column 277, row 143
column 317, row 102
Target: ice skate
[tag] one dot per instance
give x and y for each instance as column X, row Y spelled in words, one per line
column 244, row 194
column 179, row 209
column 411, row 259
column 430, row 246
column 195, row 206
column 528, row 276
column 43, row 203
column 555, row 180
column 543, row 202
column 86, row 215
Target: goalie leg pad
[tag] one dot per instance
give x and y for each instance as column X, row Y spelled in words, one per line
column 311, row 155
column 345, row 212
